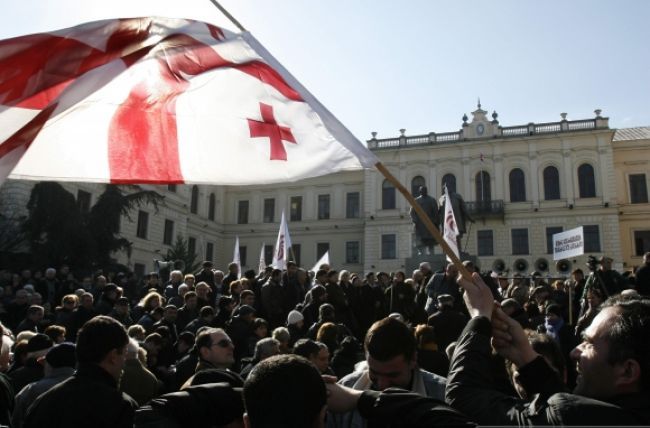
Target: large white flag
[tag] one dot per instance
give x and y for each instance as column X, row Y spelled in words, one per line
column 236, row 258
column 262, row 264
column 323, row 260
column 451, row 228
column 156, row 100
column 282, row 245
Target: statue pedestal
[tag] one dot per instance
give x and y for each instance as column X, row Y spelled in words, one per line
column 438, row 261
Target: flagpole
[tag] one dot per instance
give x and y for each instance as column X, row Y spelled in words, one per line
column 426, row 220
column 228, row 15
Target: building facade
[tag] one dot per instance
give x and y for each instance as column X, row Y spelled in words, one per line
column 521, row 184
column 632, row 167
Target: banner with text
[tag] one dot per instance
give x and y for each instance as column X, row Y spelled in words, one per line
column 568, row 244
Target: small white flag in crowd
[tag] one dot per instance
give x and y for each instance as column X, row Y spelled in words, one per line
column 262, row 264
column 157, row 100
column 282, row 245
column 450, row 228
column 236, row 258
column 325, row 259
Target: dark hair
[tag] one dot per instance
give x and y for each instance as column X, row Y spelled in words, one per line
column 284, row 391
column 389, row 338
column 54, row 331
column 629, row 332
column 98, row 337
column 259, row 322
column 204, row 339
column 326, row 312
column 306, row 348
column 205, row 311
column 189, row 295
column 317, row 292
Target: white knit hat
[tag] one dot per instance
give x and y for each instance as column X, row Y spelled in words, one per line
column 294, row 317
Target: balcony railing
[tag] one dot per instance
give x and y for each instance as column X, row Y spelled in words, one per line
column 502, row 132
column 486, row 209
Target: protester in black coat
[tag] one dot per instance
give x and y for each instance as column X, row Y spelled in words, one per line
column 92, row 390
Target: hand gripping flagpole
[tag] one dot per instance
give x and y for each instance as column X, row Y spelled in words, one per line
column 426, row 220
column 228, row 15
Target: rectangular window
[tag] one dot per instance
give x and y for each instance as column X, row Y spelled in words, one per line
column 168, row 235
column 209, row 251
column 191, row 245
column 171, row 188
column 550, row 231
column 321, row 249
column 389, row 246
column 242, row 213
column 519, row 241
column 641, row 242
column 295, row 253
column 592, row 238
column 352, row 252
column 269, row 210
column 485, row 243
column 295, row 208
column 83, row 201
column 352, row 205
column 323, row 207
column 638, row 189
column 268, row 254
column 143, row 224
column 243, row 252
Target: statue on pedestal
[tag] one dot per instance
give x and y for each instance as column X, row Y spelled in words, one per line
column 429, row 205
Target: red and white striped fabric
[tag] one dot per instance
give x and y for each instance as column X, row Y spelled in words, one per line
column 158, row 100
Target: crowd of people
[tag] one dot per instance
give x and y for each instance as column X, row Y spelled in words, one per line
column 326, row 348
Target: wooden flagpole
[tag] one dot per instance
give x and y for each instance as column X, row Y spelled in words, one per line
column 426, row 220
column 228, row 15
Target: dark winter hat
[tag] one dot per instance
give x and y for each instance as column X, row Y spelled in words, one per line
column 62, row 355
column 217, row 376
column 39, row 342
column 245, row 310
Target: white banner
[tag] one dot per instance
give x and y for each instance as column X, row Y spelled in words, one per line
column 568, row 244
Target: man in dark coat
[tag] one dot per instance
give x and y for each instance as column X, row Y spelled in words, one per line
column 101, row 354
column 273, row 300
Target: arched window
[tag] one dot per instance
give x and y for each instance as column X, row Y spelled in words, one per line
column 586, row 181
column 551, row 183
column 517, row 185
column 194, row 203
column 450, row 181
column 483, row 193
column 387, row 195
column 416, row 183
column 211, row 206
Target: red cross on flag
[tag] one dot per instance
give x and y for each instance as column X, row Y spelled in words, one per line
column 158, row 100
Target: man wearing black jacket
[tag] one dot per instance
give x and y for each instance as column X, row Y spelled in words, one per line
column 101, row 354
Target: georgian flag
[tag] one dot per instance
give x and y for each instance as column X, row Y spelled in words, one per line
column 158, row 100
column 236, row 258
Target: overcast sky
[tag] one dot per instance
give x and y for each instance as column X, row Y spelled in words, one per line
column 382, row 65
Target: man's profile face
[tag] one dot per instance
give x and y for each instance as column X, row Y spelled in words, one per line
column 322, row 360
column 396, row 372
column 596, row 377
column 220, row 353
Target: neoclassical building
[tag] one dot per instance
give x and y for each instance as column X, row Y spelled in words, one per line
column 521, row 183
